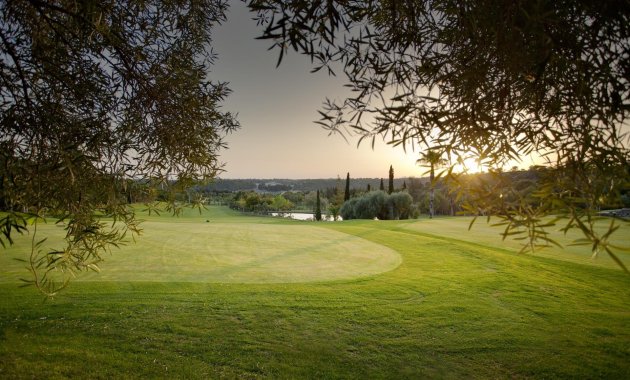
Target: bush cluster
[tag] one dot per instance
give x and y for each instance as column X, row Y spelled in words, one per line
column 378, row 204
column 251, row 201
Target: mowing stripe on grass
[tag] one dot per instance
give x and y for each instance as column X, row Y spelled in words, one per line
column 228, row 253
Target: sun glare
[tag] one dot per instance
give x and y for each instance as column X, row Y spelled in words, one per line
column 470, row 165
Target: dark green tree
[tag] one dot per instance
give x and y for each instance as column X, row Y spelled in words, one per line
column 318, row 208
column 369, row 188
column 415, row 189
column 346, row 194
column 382, row 186
column 95, row 94
column 493, row 79
column 390, row 188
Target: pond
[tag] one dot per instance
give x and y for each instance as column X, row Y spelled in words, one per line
column 303, row 216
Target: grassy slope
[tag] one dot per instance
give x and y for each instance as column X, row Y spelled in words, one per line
column 453, row 309
column 484, row 233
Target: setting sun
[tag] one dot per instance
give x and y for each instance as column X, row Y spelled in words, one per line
column 469, row 165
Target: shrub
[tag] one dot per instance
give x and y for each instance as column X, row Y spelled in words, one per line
column 400, row 204
column 378, row 204
column 347, row 209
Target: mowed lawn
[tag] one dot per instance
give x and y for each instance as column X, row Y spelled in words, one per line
column 221, row 295
column 219, row 249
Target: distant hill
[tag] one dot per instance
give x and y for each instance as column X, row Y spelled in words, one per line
column 280, row 185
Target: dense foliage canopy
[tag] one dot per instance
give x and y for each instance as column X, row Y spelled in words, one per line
column 379, row 204
column 97, row 97
column 496, row 80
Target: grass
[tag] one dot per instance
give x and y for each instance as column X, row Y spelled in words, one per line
column 456, row 307
column 216, row 248
column 457, row 228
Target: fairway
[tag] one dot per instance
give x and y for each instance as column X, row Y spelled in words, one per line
column 223, row 295
column 485, row 234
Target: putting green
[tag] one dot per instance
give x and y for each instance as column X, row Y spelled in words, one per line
column 232, row 253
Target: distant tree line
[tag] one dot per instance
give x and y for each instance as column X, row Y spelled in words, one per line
column 410, row 197
column 281, row 185
column 264, row 203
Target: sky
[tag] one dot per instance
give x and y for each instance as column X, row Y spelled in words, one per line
column 277, row 108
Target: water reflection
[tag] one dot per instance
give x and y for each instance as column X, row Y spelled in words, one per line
column 303, row 216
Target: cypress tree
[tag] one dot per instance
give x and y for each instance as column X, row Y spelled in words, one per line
column 404, row 185
column 369, row 188
column 382, row 188
column 391, row 180
column 318, row 208
column 346, row 195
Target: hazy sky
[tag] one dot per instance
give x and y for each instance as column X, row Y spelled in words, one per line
column 276, row 109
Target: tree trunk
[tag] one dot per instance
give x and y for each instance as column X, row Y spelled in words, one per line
column 431, row 193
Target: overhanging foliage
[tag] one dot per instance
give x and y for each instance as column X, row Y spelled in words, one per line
column 495, row 80
column 94, row 97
